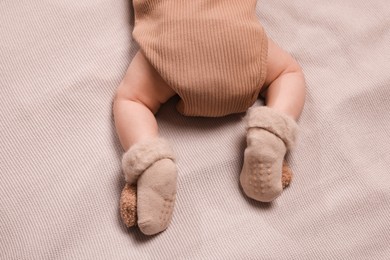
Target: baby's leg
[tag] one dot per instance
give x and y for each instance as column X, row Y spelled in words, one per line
column 149, row 159
column 138, row 98
column 272, row 129
column 285, row 82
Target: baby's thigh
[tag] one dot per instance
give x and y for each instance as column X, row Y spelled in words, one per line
column 142, row 83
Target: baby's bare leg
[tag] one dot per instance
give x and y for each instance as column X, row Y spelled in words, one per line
column 285, row 82
column 138, row 98
column 149, row 159
column 272, row 129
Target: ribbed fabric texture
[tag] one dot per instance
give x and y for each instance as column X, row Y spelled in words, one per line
column 211, row 52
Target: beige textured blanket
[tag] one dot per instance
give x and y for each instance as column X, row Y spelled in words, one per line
column 60, row 179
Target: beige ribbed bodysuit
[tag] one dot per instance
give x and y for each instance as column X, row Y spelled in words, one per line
column 212, row 53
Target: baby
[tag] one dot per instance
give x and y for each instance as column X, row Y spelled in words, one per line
column 215, row 55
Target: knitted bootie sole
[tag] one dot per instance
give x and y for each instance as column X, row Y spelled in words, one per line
column 269, row 135
column 156, row 191
column 261, row 175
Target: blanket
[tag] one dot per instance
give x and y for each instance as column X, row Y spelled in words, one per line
column 60, row 176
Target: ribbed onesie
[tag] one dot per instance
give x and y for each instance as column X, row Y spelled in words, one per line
column 212, row 53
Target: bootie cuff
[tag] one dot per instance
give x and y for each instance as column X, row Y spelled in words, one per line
column 273, row 121
column 142, row 155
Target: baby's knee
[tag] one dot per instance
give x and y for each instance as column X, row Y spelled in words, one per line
column 126, row 95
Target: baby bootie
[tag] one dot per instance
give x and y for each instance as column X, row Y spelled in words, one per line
column 269, row 135
column 151, row 165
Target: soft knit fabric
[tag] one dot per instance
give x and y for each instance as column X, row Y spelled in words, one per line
column 151, row 165
column 273, row 121
column 211, row 52
column 156, row 195
column 270, row 134
column 142, row 155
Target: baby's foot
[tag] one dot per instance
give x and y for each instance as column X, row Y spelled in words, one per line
column 156, row 193
column 261, row 175
column 269, row 135
column 151, row 165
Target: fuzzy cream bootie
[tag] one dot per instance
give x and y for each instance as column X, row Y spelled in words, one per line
column 269, row 135
column 150, row 164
